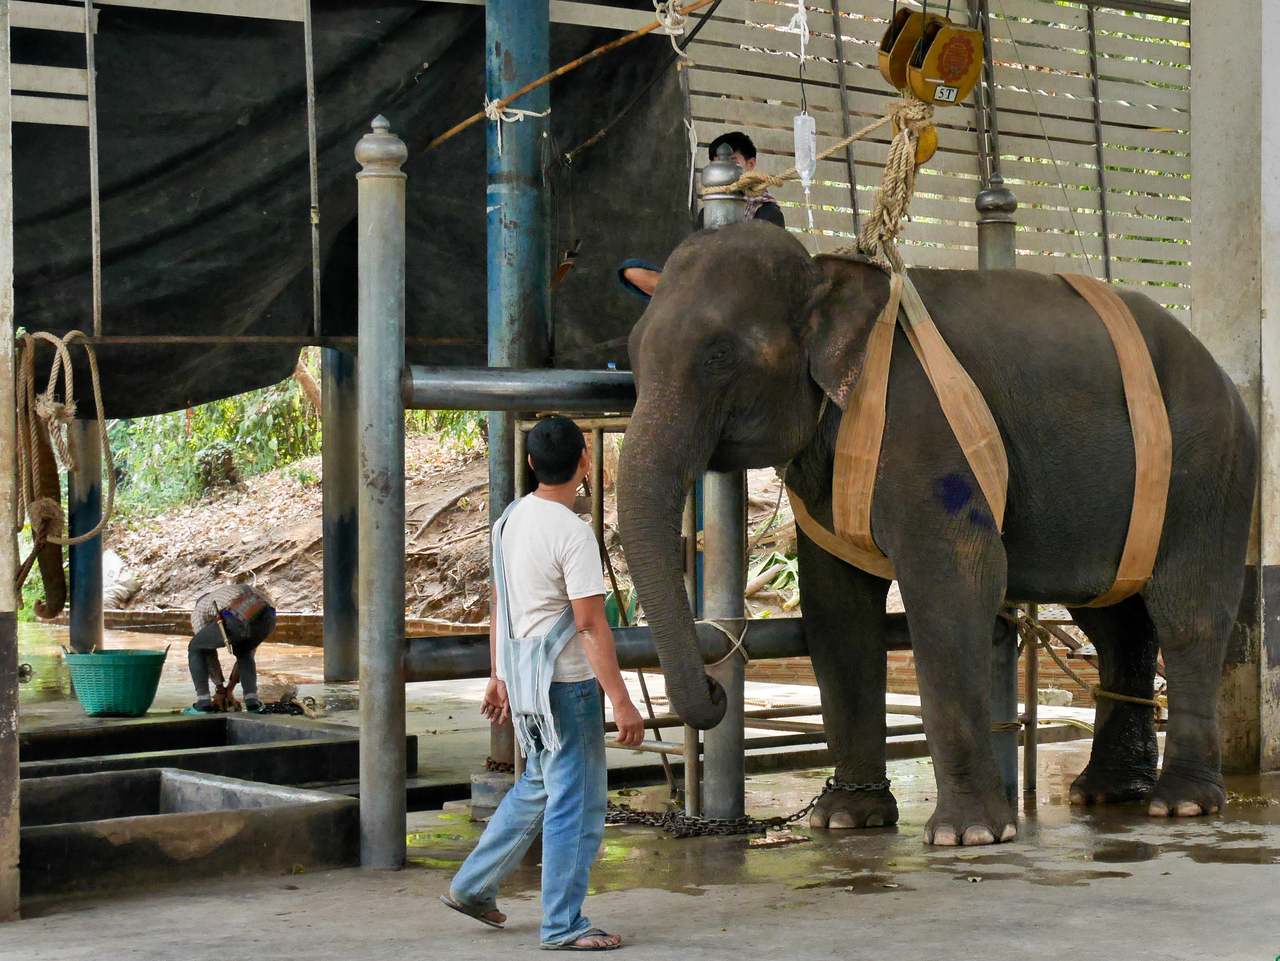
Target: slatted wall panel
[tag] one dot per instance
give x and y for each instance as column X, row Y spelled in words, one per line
column 744, row 75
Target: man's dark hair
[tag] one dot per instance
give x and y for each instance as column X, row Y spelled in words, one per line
column 738, row 142
column 554, row 447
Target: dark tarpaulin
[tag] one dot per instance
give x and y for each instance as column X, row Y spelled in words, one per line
column 205, row 190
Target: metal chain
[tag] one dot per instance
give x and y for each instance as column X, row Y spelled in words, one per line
column 681, row 825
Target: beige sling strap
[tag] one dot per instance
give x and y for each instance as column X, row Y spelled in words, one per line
column 1152, row 440
column 861, row 433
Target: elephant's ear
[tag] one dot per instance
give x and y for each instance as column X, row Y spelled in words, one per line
column 840, row 314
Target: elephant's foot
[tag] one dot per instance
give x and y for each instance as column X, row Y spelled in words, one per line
column 1187, row 793
column 854, row 809
column 969, row 820
column 1098, row 785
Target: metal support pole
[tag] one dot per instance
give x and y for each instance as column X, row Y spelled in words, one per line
column 725, row 501
column 8, row 508
column 84, row 497
column 692, row 772
column 380, row 285
column 517, row 50
column 341, row 531
column 845, row 128
column 1099, row 145
column 1030, row 712
column 597, row 487
column 995, row 202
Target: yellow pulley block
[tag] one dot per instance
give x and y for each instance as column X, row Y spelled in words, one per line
column 946, row 63
column 898, row 43
column 926, row 142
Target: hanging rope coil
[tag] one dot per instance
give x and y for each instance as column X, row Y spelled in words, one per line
column 53, row 409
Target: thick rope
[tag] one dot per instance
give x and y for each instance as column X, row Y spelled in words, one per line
column 45, row 514
column 1036, row 633
column 736, row 642
column 879, row 236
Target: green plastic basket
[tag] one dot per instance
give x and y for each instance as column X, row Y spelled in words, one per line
column 116, row 683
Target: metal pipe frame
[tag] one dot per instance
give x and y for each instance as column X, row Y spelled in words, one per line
column 341, row 529
column 511, row 389
column 84, row 510
column 8, row 506
column 264, row 340
column 381, row 285
column 1099, row 148
column 1030, row 712
column 724, row 560
column 845, row 126
column 458, row 657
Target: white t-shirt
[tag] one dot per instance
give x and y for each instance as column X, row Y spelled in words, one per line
column 551, row 558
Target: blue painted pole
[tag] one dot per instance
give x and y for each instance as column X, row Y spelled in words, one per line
column 517, row 51
column 84, row 496
column 517, row 34
column 341, row 529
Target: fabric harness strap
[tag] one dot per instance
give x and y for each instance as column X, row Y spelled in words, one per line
column 861, row 434
column 1152, row 439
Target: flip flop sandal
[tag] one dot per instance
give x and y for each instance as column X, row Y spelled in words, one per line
column 477, row 913
column 574, row 946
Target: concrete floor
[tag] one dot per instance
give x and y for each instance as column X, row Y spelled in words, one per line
column 1111, row 884
column 1108, row 885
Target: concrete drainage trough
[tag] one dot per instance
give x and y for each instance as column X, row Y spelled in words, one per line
column 272, row 749
column 122, row 829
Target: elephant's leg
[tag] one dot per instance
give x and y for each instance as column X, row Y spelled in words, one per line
column 952, row 594
column 1193, row 621
column 1122, row 766
column 844, row 623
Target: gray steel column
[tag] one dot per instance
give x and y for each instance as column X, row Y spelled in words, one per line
column 8, row 509
column 341, row 531
column 381, row 215
column 1030, row 711
column 724, row 515
column 84, row 509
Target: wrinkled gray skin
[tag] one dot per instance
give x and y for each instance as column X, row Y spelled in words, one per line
column 742, row 338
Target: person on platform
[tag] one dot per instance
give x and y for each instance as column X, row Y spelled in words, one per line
column 237, row 616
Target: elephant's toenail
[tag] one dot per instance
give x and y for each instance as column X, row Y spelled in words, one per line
column 1158, row 809
column 978, row 835
column 841, row 819
column 875, row 821
column 944, row 837
column 1078, row 797
column 1009, row 833
column 817, row 820
column 1187, row 809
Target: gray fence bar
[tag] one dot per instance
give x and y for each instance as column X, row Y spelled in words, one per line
column 340, row 527
column 84, row 510
column 510, row 389
column 381, row 207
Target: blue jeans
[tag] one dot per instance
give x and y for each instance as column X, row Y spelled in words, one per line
column 561, row 794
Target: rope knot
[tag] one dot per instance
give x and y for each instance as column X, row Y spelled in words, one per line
column 500, row 113
column 47, row 519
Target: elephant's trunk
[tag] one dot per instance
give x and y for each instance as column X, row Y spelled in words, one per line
column 654, row 474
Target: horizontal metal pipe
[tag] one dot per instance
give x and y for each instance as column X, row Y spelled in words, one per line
column 264, row 340
column 505, row 388
column 459, row 656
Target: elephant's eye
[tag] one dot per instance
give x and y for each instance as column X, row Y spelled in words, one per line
column 717, row 356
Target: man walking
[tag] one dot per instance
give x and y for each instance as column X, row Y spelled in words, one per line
column 552, row 651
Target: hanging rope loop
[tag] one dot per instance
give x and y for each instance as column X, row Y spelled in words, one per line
column 53, row 410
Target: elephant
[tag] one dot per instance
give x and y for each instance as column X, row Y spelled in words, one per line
column 745, row 336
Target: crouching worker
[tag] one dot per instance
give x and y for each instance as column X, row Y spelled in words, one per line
column 549, row 644
column 236, row 616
